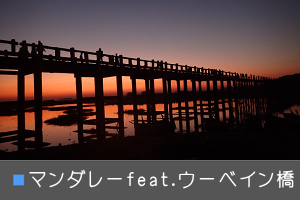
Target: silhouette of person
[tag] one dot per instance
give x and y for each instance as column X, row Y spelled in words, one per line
column 101, row 55
column 116, row 59
column 40, row 44
column 23, row 51
column 161, row 64
column 81, row 57
column 33, row 51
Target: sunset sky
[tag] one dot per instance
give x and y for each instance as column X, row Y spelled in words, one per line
column 253, row 37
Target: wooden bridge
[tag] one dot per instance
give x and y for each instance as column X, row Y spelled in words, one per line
column 232, row 97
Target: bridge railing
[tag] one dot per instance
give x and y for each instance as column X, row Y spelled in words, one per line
column 78, row 56
column 12, row 44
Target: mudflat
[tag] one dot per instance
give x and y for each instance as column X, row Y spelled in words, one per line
column 275, row 144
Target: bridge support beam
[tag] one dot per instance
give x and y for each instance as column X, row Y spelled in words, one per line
column 196, row 123
column 208, row 93
column 236, row 99
column 201, row 103
column 100, row 112
column 246, row 96
column 152, row 93
column 179, row 106
column 38, row 113
column 134, row 99
column 148, row 101
column 21, row 111
column 166, row 100
column 79, row 107
column 254, row 105
column 244, row 111
column 170, row 99
column 223, row 99
column 229, row 95
column 120, row 105
column 187, row 113
column 216, row 96
column 257, row 94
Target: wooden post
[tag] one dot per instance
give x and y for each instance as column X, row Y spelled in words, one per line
column 120, row 97
column 165, row 91
column 134, row 100
column 208, row 93
column 216, row 96
column 120, row 105
column 263, row 95
column 21, row 110
column 223, row 96
column 99, row 97
column 257, row 96
column 250, row 95
column 243, row 91
column 138, row 64
column 152, row 91
column 179, row 105
column 201, row 97
column 170, row 99
column 72, row 56
column 57, row 54
column 86, row 58
column 196, row 123
column 38, row 98
column 13, row 45
column 229, row 92
column 147, row 87
column 236, row 97
column 253, row 101
column 241, row 98
column 246, row 94
column 100, row 112
column 186, row 98
column 79, row 107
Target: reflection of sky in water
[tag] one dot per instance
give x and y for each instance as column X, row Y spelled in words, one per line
column 293, row 108
column 66, row 135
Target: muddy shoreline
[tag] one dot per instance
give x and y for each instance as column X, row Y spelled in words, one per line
column 230, row 145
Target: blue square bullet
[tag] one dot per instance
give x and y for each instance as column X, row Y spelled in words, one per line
column 18, row 179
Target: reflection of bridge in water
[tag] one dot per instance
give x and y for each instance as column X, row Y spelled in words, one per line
column 226, row 100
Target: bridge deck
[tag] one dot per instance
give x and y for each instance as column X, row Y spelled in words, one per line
column 89, row 64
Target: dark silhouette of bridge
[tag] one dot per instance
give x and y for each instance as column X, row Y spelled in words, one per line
column 228, row 102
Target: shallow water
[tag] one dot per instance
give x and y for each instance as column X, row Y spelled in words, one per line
column 65, row 135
